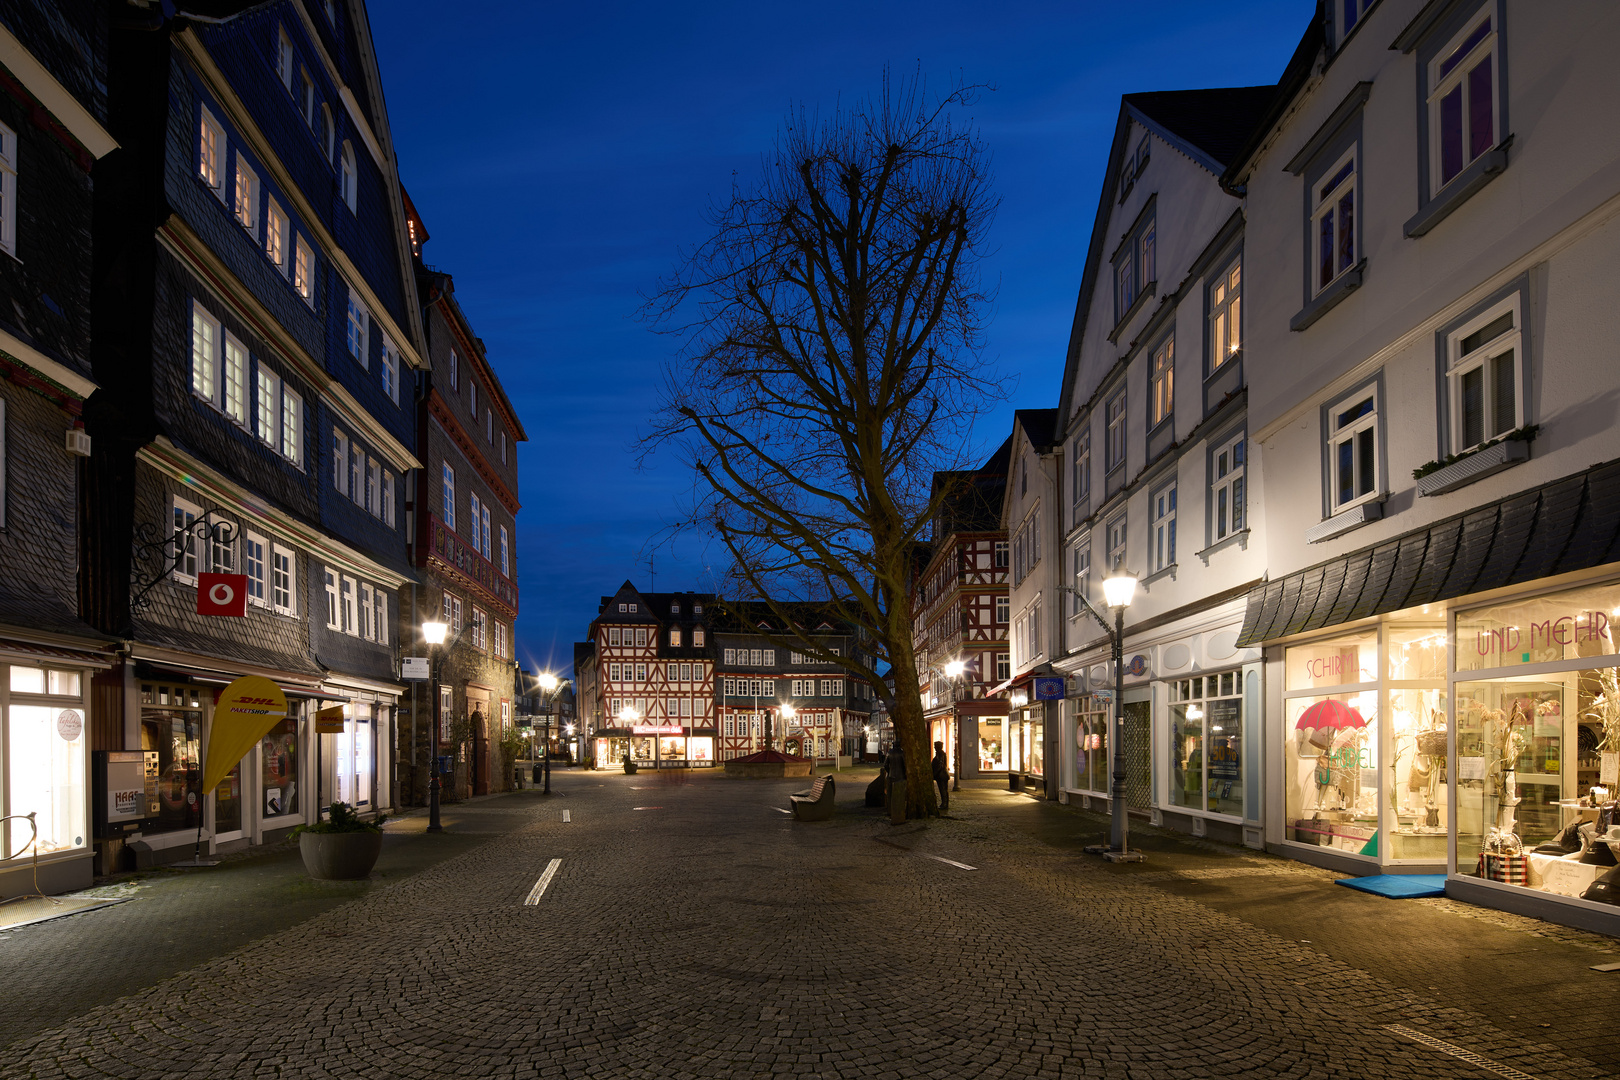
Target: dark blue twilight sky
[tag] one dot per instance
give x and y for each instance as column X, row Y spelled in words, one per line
column 561, row 153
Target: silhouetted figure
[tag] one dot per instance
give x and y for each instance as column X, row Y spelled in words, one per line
column 942, row 777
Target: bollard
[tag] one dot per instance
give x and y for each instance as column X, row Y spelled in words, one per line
column 897, row 800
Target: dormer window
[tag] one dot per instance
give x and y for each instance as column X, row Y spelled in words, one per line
column 675, row 609
column 632, row 609
column 623, row 607
column 697, row 609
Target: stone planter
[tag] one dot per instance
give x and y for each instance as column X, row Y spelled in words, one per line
column 770, row 769
column 340, row 856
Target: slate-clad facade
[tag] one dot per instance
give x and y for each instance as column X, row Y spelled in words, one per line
column 53, row 117
column 256, row 334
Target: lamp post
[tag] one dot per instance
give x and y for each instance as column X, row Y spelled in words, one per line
column 433, row 633
column 954, row 670
column 550, row 684
column 627, row 719
column 787, row 712
column 1119, row 588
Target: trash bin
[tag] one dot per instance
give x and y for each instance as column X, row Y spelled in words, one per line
column 517, row 777
column 537, row 773
column 1015, row 781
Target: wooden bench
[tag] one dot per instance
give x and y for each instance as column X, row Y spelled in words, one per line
column 816, row 804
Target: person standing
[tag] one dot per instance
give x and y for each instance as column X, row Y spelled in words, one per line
column 942, row 777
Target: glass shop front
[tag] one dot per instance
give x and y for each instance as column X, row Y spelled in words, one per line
column 44, row 739
column 1485, row 740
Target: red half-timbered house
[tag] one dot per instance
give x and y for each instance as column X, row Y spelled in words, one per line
column 654, row 680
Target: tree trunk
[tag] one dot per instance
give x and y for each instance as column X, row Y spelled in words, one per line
column 910, row 729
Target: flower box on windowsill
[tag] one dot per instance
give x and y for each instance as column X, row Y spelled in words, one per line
column 1476, row 466
column 1353, row 518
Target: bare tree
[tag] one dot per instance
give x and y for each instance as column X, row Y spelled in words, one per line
column 831, row 365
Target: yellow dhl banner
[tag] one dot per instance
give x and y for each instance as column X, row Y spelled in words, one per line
column 247, row 709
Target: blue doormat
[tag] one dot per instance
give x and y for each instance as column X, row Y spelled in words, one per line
column 1398, row 886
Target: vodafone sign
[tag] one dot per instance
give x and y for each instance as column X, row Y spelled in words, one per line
column 222, row 594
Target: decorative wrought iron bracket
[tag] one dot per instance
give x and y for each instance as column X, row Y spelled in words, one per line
column 157, row 557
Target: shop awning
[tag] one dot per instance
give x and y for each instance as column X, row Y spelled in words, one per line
column 146, row 669
column 1571, row 524
column 33, row 652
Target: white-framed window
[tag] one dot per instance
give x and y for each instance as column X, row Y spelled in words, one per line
column 455, row 370
column 284, row 58
column 1080, row 466
column 379, row 614
column 1353, row 435
column 1227, row 496
column 390, row 369
column 473, row 519
column 503, row 446
column 1003, row 667
column 292, row 425
column 254, row 560
column 447, row 496
column 1333, row 221
column 1226, row 314
column 1003, row 610
column 489, row 426
column 245, row 203
column 1114, row 450
column 211, row 152
column 641, row 673
column 1162, row 553
column 1162, row 389
column 641, row 631
column 1081, row 563
column 1135, row 267
column 8, row 190
column 613, row 673
column 347, row 588
column 358, row 337
column 221, row 544
column 205, row 337
column 1348, row 13
column 472, row 395
column 488, row 553
column 328, row 132
column 275, row 235
column 306, row 98
column 268, row 411
column 506, row 553
column 697, row 637
column 364, row 626
column 185, row 516
column 235, row 371
column 1001, row 554
column 357, row 473
column 1114, row 537
column 340, row 462
column 283, row 572
column 350, row 178
column 1484, row 373
column 333, row 620
column 304, row 270
column 675, row 639
column 374, row 487
column 387, row 497
column 832, row 687
column 1463, row 113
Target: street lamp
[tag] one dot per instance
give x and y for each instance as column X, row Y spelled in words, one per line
column 1119, row 589
column 550, row 684
column 627, row 719
column 433, row 633
column 953, row 671
column 787, row 712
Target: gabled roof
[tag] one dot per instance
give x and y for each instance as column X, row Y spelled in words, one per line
column 974, row 504
column 1210, row 126
column 1040, row 425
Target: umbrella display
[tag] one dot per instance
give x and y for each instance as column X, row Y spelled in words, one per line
column 1326, row 719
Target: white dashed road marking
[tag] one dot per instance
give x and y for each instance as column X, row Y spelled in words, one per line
column 949, row 862
column 566, row 817
column 539, row 889
column 779, row 810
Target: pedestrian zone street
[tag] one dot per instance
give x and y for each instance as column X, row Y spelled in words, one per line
column 692, row 929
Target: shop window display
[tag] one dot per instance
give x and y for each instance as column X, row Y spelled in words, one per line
column 1206, row 732
column 171, row 725
column 992, row 745
column 46, row 779
column 1330, row 779
column 1035, row 747
column 1417, row 795
column 1091, row 745
column 278, row 755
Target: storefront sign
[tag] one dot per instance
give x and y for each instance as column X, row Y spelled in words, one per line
column 1562, row 630
column 329, row 721
column 1048, row 689
column 658, row 729
column 69, row 724
column 222, row 594
column 1137, row 666
column 414, row 668
column 1103, row 697
column 246, row 711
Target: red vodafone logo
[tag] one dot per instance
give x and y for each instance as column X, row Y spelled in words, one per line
column 222, row 594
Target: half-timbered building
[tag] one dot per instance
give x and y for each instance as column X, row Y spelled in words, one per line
column 960, row 606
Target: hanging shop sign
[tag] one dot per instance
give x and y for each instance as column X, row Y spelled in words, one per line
column 222, row 594
column 658, row 729
column 329, row 721
column 414, row 668
column 1048, row 689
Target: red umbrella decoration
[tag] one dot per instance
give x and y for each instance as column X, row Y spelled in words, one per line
column 1328, row 718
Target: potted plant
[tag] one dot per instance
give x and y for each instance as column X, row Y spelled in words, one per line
column 629, row 766
column 343, row 847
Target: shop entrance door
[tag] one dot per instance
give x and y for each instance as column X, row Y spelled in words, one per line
column 1138, row 755
column 480, row 761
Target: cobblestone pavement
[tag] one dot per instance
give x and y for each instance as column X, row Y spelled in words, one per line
column 692, row 930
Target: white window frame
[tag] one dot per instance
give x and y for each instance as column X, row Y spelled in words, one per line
column 489, row 426
column 1080, row 466
column 1353, row 431
column 1459, row 365
column 1115, row 538
column 1325, row 202
column 284, row 58
column 348, row 590
column 390, row 369
column 506, row 552
column 184, row 515
column 1162, row 382
column 473, row 518
column 486, row 548
column 357, row 473
column 472, row 397
column 1080, row 562
column 1486, row 50
column 245, row 196
column 221, row 553
column 455, row 371
column 340, row 463
column 379, row 597
column 275, row 236
column 292, row 425
column 1228, row 489
column 267, row 406
column 306, row 97
column 256, row 565
column 388, row 497
column 284, row 593
column 447, row 495
column 8, row 190
column 331, row 587
column 1226, row 314
column 304, row 269
column 234, row 379
column 349, row 179
column 206, row 332
column 1114, row 448
column 211, row 152
column 374, row 487
column 1003, row 610
column 363, row 625
column 1162, row 528
column 357, row 334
